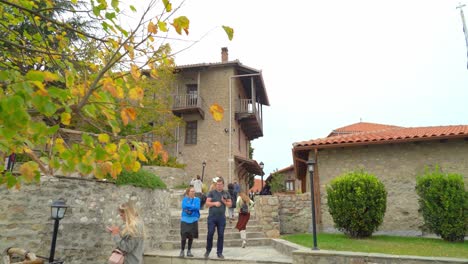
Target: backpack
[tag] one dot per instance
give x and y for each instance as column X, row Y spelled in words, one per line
column 244, row 208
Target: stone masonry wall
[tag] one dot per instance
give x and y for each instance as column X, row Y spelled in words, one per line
column 170, row 176
column 82, row 238
column 397, row 166
column 266, row 213
column 295, row 213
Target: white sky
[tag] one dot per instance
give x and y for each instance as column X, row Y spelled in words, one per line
column 328, row 64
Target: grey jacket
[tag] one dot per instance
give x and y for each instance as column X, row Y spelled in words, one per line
column 132, row 246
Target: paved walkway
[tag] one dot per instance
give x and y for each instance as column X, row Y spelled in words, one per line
column 262, row 253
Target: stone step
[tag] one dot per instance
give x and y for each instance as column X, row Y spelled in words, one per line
column 203, row 229
column 201, row 243
column 175, row 222
column 227, row 235
column 233, row 255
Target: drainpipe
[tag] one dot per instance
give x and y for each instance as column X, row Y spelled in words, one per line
column 230, row 159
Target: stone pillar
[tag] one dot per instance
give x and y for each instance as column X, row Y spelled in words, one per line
column 266, row 213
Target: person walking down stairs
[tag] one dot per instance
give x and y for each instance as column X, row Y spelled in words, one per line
column 189, row 221
column 244, row 207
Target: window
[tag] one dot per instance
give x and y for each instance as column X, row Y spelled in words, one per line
column 191, row 133
column 290, row 185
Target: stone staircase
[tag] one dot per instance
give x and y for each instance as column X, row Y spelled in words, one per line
column 255, row 236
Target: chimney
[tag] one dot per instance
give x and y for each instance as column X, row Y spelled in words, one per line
column 224, row 54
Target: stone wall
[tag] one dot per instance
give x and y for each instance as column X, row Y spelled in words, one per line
column 170, row 176
column 25, row 217
column 295, row 213
column 266, row 213
column 397, row 166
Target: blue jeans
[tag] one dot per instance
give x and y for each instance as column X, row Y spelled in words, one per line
column 218, row 222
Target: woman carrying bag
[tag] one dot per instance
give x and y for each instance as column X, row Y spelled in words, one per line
column 189, row 221
column 129, row 240
column 244, row 206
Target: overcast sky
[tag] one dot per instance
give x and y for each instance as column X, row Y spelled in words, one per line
column 328, row 64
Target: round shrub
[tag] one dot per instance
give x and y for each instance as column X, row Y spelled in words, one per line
column 357, row 202
column 443, row 203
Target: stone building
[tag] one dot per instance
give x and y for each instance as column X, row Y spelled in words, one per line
column 291, row 183
column 209, row 147
column 396, row 155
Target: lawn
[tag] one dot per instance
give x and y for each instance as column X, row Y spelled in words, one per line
column 396, row 245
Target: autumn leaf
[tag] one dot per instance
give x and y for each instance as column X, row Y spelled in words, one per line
column 162, row 26
column 217, row 112
column 157, row 148
column 59, row 145
column 136, row 94
column 229, row 31
column 50, row 77
column 128, row 114
column 135, row 72
column 167, row 5
column 181, row 23
column 103, row 138
column 65, row 118
column 29, row 170
column 116, row 169
column 152, row 28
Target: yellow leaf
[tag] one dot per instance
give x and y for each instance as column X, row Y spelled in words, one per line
column 229, row 32
column 136, row 94
column 49, row 77
column 152, row 28
column 111, row 148
column 59, row 145
column 136, row 166
column 217, row 112
column 103, row 138
column 65, row 118
column 28, row 170
column 151, row 38
column 116, row 169
column 42, row 91
column 109, row 85
column 141, row 156
column 124, row 116
column 181, row 23
column 135, row 72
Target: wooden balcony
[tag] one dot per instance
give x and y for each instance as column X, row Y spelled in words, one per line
column 248, row 114
column 188, row 104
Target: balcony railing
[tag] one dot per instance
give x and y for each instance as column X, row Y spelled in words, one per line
column 247, row 112
column 188, row 103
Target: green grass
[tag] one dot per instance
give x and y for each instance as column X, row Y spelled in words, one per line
column 141, row 178
column 396, row 245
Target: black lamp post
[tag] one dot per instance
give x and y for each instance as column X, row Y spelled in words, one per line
column 261, row 167
column 203, row 170
column 57, row 212
column 310, row 166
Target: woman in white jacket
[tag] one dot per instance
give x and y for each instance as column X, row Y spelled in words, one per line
column 244, row 206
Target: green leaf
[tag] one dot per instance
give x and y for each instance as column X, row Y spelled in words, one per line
column 110, row 15
column 35, row 76
column 162, row 26
column 115, row 5
column 133, row 8
column 229, row 31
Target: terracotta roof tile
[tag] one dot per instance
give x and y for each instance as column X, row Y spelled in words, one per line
column 389, row 135
column 359, row 127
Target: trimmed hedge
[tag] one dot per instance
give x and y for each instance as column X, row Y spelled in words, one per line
column 357, row 202
column 443, row 203
column 141, row 178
